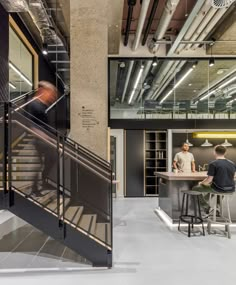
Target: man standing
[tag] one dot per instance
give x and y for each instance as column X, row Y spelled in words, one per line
column 220, row 176
column 184, row 160
column 45, row 96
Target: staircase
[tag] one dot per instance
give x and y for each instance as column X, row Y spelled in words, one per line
column 75, row 202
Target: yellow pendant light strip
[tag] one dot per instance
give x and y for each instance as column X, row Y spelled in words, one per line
column 214, row 135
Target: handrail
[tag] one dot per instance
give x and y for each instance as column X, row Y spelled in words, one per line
column 72, row 143
column 22, row 96
column 70, row 155
column 54, row 104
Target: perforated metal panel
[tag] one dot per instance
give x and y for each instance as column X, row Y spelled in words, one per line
column 221, row 3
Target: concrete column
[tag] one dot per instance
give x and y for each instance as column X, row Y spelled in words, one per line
column 89, row 76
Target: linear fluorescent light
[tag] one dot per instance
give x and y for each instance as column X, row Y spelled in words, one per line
column 176, row 85
column 221, row 86
column 12, row 85
column 214, row 135
column 20, row 73
column 136, row 84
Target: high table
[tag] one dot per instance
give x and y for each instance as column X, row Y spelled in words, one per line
column 170, row 196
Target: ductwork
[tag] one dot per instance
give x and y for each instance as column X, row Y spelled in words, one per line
column 166, row 17
column 39, row 15
column 143, row 13
column 15, row 6
column 43, row 22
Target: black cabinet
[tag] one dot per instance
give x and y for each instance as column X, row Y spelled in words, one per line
column 134, row 158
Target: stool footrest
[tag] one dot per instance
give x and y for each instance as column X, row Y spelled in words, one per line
column 190, row 219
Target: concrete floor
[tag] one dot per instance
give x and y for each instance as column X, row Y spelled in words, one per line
column 146, row 251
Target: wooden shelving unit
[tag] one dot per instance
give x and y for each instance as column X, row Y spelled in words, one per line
column 155, row 160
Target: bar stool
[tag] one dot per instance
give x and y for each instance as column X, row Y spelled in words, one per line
column 220, row 219
column 196, row 217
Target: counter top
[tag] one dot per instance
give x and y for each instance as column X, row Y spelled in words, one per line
column 198, row 176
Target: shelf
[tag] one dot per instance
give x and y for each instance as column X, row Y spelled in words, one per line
column 157, row 149
column 156, row 132
column 156, row 158
column 155, row 145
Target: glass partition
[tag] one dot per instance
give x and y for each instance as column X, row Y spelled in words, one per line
column 20, row 66
column 172, row 89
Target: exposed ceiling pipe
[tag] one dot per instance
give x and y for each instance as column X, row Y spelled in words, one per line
column 186, row 26
column 144, row 75
column 171, row 77
column 131, row 4
column 166, row 17
column 165, row 66
column 150, row 20
column 215, row 83
column 169, row 74
column 142, row 17
column 196, row 22
column 211, row 25
column 159, row 77
column 204, row 23
column 131, row 64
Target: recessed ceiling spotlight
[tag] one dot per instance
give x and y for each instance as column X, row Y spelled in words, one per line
column 194, row 90
column 190, row 84
column 45, row 49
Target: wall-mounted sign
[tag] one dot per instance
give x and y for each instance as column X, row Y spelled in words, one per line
column 88, row 116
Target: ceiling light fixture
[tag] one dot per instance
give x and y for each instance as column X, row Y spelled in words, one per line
column 154, row 63
column 188, row 142
column 21, row 74
column 206, row 143
column 12, row 85
column 136, row 84
column 211, row 61
column 214, row 135
column 226, row 143
column 176, row 85
column 45, row 49
column 221, row 86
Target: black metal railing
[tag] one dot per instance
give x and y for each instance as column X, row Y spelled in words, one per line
column 40, row 158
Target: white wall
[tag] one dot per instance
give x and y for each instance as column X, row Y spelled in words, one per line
column 119, row 134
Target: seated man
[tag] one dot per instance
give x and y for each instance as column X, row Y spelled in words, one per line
column 220, row 176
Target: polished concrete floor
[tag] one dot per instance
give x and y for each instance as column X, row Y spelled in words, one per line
column 146, row 251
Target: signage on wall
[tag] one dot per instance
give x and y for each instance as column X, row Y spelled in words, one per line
column 89, row 120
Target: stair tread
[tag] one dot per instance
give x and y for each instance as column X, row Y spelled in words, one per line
column 72, row 212
column 103, row 232
column 86, row 221
column 53, row 205
column 50, row 195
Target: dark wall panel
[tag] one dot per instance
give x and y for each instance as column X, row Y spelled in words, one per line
column 4, row 51
column 134, row 163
